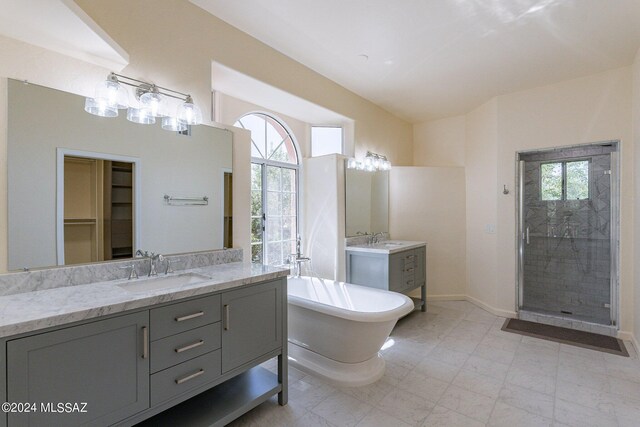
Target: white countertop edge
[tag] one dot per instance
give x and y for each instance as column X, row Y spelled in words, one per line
column 379, row 248
column 33, row 311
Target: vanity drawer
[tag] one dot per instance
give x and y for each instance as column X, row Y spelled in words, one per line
column 185, row 376
column 180, row 317
column 177, row 348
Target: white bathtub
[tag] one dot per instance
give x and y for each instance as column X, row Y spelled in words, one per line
column 336, row 329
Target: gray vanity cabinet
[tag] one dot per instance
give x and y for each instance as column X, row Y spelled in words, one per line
column 101, row 363
column 251, row 323
column 156, row 365
column 399, row 272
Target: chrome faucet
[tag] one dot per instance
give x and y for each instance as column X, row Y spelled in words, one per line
column 152, row 257
column 375, row 237
column 297, row 259
column 133, row 274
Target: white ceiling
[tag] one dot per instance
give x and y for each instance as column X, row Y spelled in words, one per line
column 436, row 58
column 61, row 26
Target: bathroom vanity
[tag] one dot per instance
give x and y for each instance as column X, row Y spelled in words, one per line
column 394, row 265
column 111, row 354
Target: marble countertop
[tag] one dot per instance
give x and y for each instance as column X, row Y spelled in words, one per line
column 31, row 311
column 386, row 246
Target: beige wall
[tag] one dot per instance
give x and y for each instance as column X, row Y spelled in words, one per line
column 439, row 142
column 481, row 195
column 428, row 204
column 636, row 163
column 589, row 109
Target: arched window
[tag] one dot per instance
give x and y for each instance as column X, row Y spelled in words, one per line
column 274, row 189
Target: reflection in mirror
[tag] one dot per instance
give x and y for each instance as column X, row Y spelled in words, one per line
column 367, row 202
column 97, row 203
column 41, row 233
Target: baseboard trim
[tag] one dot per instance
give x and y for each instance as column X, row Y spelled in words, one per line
column 458, row 297
column 628, row 336
column 446, row 298
column 495, row 311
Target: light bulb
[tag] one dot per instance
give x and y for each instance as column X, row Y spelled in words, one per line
column 368, row 162
column 189, row 113
column 376, row 163
column 112, row 94
column 152, row 102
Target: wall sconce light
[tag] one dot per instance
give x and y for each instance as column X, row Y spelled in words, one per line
column 372, row 162
column 111, row 96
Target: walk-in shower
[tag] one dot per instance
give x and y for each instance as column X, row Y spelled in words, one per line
column 568, row 236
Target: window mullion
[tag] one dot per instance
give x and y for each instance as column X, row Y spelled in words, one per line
column 264, row 213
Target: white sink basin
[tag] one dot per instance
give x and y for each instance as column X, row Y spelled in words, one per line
column 390, row 244
column 157, row 283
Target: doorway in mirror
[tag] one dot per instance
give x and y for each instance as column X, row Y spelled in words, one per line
column 98, row 207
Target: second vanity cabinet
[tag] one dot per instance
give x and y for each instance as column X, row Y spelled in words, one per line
column 130, row 367
column 400, row 271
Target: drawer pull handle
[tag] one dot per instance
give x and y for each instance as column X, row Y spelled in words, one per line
column 190, row 346
column 190, row 377
column 409, row 282
column 190, row 316
column 226, row 317
column 410, row 269
column 145, row 342
column 411, row 256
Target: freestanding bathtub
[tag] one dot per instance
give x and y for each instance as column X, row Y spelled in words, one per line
column 336, row 329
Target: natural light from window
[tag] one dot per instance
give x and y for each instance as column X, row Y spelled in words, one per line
column 326, row 140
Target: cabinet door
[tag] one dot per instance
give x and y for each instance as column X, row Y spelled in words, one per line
column 367, row 269
column 251, row 323
column 100, row 364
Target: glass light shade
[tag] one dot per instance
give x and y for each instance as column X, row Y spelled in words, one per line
column 352, row 163
column 140, row 115
column 152, row 101
column 386, row 165
column 99, row 108
column 368, row 162
column 189, row 113
column 173, row 124
column 376, row 163
column 359, row 165
column 112, row 94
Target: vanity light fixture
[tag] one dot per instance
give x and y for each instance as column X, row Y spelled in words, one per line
column 111, row 96
column 372, row 162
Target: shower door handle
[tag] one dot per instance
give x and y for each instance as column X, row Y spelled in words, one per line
column 527, row 235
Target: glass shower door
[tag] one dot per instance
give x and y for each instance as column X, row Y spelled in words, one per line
column 565, row 225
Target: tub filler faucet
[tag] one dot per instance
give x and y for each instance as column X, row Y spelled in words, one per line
column 297, row 259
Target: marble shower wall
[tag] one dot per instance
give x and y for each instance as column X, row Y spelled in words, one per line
column 567, row 263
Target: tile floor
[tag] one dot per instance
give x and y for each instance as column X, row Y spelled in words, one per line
column 453, row 366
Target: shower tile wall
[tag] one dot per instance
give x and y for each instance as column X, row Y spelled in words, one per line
column 568, row 258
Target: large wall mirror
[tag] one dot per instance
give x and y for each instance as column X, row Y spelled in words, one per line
column 83, row 188
column 367, row 202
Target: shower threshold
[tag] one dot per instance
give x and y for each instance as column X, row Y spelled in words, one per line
column 556, row 319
